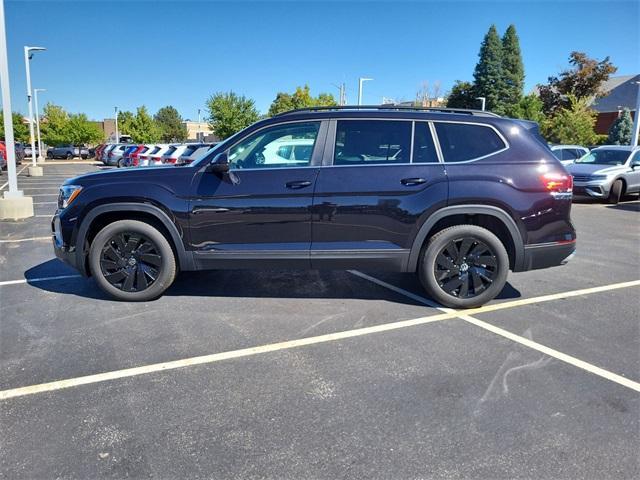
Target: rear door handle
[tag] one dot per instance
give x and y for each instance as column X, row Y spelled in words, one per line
column 298, row 184
column 412, row 181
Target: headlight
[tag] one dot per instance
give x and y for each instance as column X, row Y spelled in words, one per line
column 598, row 177
column 68, row 194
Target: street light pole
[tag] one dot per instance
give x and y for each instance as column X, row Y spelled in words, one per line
column 35, row 97
column 636, row 119
column 14, row 204
column 27, row 59
column 117, row 133
column 361, row 80
column 484, row 101
column 198, row 132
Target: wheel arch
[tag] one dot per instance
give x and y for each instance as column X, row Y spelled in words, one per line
column 474, row 213
column 108, row 213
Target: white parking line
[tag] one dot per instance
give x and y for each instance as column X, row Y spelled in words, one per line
column 19, row 172
column 16, row 240
column 37, row 280
column 45, row 203
column 466, row 316
column 217, row 357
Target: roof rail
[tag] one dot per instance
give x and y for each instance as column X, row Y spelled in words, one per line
column 461, row 111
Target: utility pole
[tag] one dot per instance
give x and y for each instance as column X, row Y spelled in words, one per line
column 34, row 170
column 117, row 133
column 361, row 80
column 14, row 204
column 636, row 118
column 35, row 97
column 342, row 98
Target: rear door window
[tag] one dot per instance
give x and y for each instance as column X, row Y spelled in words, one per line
column 424, row 150
column 461, row 142
column 369, row 142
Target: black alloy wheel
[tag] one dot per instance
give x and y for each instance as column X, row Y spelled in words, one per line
column 130, row 261
column 465, row 267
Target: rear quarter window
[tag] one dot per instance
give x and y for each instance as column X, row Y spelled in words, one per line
column 461, row 142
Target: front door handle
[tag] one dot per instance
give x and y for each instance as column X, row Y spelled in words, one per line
column 412, row 181
column 298, row 184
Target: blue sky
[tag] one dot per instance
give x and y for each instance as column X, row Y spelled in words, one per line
column 101, row 54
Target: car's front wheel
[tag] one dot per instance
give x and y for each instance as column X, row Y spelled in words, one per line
column 463, row 266
column 132, row 261
column 615, row 194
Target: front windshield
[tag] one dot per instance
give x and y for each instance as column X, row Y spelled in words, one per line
column 605, row 157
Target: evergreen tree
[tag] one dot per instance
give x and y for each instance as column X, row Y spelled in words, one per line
column 171, row 126
column 462, row 95
column 620, row 132
column 528, row 108
column 488, row 74
column 512, row 67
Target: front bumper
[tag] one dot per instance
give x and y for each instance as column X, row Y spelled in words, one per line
column 545, row 255
column 595, row 189
column 64, row 252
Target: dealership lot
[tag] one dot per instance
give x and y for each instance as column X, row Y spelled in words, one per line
column 319, row 374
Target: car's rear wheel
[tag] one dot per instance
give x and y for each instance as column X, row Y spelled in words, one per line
column 463, row 266
column 50, row 155
column 615, row 194
column 132, row 261
column 69, row 156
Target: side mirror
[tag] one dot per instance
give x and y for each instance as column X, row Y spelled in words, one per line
column 219, row 164
column 635, row 165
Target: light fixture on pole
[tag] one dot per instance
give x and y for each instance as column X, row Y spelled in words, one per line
column 484, row 102
column 361, row 80
column 14, row 204
column 28, row 55
column 117, row 133
column 35, row 97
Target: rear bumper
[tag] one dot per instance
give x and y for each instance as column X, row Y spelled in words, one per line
column 545, row 255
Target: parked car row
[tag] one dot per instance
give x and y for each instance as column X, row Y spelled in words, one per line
column 20, row 154
column 67, row 151
column 138, row 155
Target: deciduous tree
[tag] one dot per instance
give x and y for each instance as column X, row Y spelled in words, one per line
column 81, row 131
column 54, row 125
column 528, row 108
column 229, row 113
column 142, row 127
column 301, row 98
column 572, row 124
column 462, row 95
column 20, row 129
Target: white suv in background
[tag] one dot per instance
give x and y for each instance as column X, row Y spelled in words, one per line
column 567, row 154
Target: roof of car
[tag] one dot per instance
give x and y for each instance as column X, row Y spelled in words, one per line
column 627, row 148
column 555, row 147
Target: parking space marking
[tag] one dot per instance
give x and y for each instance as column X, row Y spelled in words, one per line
column 576, row 362
column 466, row 316
column 45, row 203
column 37, row 280
column 7, row 182
column 31, row 239
column 217, row 357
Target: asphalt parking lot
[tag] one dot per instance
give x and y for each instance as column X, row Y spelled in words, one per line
column 283, row 374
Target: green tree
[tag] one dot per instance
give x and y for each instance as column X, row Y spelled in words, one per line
column 462, row 95
column 584, row 79
column 512, row 67
column 142, row 127
column 528, row 108
column 301, row 98
column 54, row 125
column 572, row 124
column 488, row 74
column 20, row 129
column 125, row 119
column 81, row 131
column 621, row 131
column 170, row 123
column 229, row 113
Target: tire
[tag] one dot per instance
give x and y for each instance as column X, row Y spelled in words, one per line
column 153, row 264
column 120, row 164
column 486, row 271
column 615, row 194
column 50, row 155
column 69, row 156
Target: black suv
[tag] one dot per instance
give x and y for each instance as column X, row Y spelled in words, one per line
column 458, row 196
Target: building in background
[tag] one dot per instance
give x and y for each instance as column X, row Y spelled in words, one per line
column 199, row 132
column 622, row 94
column 108, row 127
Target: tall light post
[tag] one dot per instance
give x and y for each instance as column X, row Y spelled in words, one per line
column 28, row 55
column 361, row 80
column 35, row 97
column 198, row 132
column 636, row 119
column 14, row 204
column 484, row 102
column 117, row 133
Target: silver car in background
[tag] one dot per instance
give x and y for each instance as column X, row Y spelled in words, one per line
column 568, row 154
column 607, row 172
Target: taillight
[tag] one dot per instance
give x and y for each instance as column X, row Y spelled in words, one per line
column 557, row 182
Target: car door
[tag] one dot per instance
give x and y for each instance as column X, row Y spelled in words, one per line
column 633, row 176
column 258, row 215
column 380, row 178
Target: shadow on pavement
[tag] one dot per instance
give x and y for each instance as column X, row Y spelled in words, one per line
column 244, row 283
